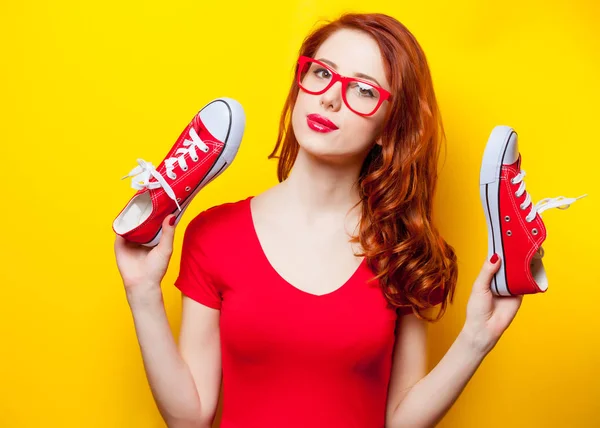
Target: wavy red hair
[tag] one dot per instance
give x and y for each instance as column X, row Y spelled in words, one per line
column 415, row 267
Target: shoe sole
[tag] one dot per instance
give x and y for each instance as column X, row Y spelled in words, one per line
column 489, row 188
column 234, row 133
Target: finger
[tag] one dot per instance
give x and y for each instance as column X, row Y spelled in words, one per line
column 483, row 280
column 122, row 243
column 168, row 233
column 119, row 241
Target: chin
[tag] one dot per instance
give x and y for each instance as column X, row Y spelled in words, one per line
column 315, row 145
column 325, row 151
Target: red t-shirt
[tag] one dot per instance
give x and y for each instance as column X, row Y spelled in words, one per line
column 290, row 358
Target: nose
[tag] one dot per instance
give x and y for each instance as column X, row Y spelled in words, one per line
column 331, row 99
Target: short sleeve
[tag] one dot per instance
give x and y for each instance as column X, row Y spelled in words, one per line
column 195, row 279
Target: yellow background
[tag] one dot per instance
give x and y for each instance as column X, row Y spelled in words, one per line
column 88, row 87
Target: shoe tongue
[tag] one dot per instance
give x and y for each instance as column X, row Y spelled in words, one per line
column 516, row 164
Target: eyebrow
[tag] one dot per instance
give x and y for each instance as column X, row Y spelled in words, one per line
column 362, row 75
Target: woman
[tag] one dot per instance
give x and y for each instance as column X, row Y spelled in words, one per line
column 305, row 326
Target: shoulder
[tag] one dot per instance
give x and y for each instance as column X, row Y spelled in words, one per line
column 218, row 220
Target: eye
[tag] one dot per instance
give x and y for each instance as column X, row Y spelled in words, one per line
column 365, row 90
column 322, row 72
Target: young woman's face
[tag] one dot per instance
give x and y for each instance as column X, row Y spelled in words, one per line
column 351, row 53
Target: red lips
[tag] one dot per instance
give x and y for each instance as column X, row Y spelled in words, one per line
column 320, row 123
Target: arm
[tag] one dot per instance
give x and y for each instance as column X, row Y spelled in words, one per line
column 184, row 381
column 419, row 400
column 416, row 400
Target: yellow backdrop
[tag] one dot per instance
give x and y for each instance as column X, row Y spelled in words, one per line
column 87, row 87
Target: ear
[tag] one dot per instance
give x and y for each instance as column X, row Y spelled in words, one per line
column 378, row 142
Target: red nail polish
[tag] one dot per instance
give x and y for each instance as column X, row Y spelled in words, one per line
column 494, row 258
column 172, row 221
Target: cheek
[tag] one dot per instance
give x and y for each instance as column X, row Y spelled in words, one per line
column 360, row 132
column 296, row 119
column 301, row 108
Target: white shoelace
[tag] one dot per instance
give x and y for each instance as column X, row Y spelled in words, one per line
column 559, row 202
column 142, row 174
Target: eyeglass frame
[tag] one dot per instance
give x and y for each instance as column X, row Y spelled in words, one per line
column 337, row 77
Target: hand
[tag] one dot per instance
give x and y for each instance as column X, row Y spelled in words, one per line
column 142, row 266
column 488, row 315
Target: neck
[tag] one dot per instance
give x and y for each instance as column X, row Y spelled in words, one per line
column 317, row 187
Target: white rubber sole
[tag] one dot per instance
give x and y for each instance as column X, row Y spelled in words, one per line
column 235, row 132
column 489, row 189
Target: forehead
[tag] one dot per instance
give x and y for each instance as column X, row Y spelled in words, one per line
column 353, row 52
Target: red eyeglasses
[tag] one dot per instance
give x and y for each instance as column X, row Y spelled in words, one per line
column 361, row 96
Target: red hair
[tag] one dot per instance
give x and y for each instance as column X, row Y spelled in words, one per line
column 414, row 265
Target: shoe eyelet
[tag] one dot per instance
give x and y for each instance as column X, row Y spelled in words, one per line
column 508, row 233
column 534, row 231
column 178, row 199
column 507, row 218
column 195, row 159
column 184, row 169
column 205, row 150
column 188, row 188
column 173, row 177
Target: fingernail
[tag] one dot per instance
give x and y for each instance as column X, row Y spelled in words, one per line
column 172, row 221
column 494, row 259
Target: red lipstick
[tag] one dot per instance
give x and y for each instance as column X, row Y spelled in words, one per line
column 319, row 123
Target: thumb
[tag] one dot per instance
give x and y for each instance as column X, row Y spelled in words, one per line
column 168, row 233
column 489, row 269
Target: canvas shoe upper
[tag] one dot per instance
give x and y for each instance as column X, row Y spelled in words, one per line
column 204, row 149
column 516, row 230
